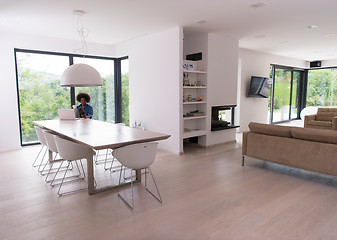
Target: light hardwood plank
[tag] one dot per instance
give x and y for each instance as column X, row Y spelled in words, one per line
column 207, row 194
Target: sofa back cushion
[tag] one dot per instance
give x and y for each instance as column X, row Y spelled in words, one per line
column 317, row 135
column 268, row 129
column 326, row 114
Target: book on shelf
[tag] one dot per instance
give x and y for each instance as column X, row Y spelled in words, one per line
column 197, row 114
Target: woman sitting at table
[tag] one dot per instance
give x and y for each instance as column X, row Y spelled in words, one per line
column 84, row 109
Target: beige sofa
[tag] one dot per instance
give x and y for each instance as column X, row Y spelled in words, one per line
column 326, row 118
column 310, row 149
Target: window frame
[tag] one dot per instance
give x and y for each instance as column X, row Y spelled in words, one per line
column 306, row 78
column 301, row 91
column 117, row 81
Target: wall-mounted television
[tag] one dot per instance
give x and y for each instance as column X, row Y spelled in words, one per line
column 259, row 87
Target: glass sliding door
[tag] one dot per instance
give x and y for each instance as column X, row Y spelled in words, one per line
column 40, row 94
column 281, row 101
column 103, row 97
column 295, row 95
column 284, row 100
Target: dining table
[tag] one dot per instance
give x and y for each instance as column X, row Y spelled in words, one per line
column 97, row 135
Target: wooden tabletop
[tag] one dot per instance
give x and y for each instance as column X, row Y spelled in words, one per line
column 100, row 135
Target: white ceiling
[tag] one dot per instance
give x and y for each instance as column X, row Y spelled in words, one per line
column 278, row 27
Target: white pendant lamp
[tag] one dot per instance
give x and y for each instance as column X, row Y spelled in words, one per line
column 80, row 75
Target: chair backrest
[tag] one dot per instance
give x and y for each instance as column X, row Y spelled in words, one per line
column 326, row 114
column 40, row 135
column 136, row 156
column 69, row 150
column 50, row 141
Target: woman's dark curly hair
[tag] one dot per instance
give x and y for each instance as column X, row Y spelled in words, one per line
column 86, row 96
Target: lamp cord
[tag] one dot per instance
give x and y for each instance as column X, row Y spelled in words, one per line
column 82, row 33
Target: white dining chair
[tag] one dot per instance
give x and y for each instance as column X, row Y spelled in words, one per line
column 137, row 157
column 49, row 136
column 108, row 153
column 42, row 140
column 70, row 151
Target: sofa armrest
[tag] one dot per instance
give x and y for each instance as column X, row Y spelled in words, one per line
column 244, row 142
column 307, row 118
column 334, row 123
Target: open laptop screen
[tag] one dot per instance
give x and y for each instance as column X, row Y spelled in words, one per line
column 67, row 114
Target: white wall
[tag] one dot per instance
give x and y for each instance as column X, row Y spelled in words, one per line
column 194, row 43
column 9, row 127
column 257, row 64
column 154, row 83
column 329, row 63
column 155, row 80
column 223, row 54
column 220, row 60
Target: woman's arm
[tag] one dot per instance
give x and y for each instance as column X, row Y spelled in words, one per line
column 89, row 111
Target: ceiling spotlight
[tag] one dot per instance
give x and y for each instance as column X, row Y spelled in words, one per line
column 257, row 5
column 260, row 36
column 201, row 22
column 312, row 27
column 331, row 35
column 79, row 12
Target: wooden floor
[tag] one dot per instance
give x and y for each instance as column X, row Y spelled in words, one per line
column 207, row 194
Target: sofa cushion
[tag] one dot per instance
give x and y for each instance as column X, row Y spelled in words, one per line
column 268, row 129
column 320, row 123
column 326, row 114
column 317, row 135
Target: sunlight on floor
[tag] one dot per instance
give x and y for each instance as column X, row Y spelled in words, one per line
column 294, row 123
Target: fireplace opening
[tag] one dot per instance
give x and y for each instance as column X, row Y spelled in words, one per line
column 222, row 117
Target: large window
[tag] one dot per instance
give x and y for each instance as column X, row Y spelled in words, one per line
column 322, row 87
column 103, row 97
column 40, row 94
column 293, row 89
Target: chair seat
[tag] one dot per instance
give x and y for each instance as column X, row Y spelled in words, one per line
column 70, row 151
column 320, row 123
column 134, row 157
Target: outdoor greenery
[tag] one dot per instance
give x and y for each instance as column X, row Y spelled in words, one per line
column 282, row 88
column 102, row 99
column 40, row 96
column 322, row 88
column 125, row 99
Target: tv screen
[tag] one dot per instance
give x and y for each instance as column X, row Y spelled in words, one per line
column 259, row 87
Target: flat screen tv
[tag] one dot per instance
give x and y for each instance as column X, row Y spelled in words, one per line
column 259, row 87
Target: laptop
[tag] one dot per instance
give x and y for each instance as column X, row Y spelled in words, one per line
column 67, row 114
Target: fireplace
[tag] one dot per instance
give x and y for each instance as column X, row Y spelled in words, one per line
column 222, row 117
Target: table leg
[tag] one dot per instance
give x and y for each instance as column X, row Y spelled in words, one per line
column 91, row 187
column 50, row 155
column 90, row 167
column 138, row 175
